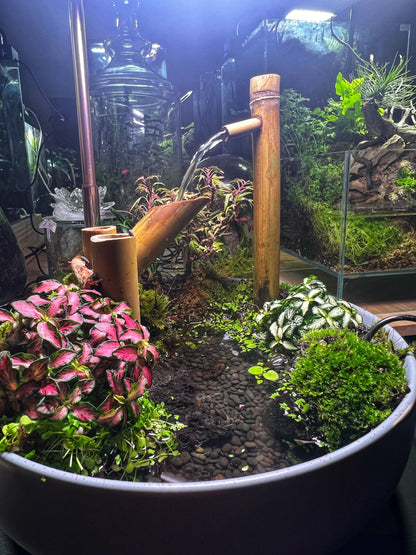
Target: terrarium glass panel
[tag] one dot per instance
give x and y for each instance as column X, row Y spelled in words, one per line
column 353, row 213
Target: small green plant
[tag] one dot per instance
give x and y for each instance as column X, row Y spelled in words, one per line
column 406, row 178
column 73, row 384
column 346, row 114
column 345, row 384
column 153, row 308
column 308, row 306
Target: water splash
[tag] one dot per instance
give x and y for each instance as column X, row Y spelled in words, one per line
column 198, row 156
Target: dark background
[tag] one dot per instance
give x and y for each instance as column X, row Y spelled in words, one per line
column 194, row 34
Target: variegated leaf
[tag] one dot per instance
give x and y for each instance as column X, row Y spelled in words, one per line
column 27, row 309
column 9, row 377
column 6, row 316
column 47, row 286
column 49, row 332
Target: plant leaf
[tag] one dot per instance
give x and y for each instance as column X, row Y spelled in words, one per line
column 23, row 359
column 27, row 309
column 127, row 353
column 47, row 286
column 49, row 389
column 85, row 413
column 37, row 370
column 8, row 375
column 107, row 349
column 6, row 316
column 49, row 332
column 61, row 358
column 67, row 327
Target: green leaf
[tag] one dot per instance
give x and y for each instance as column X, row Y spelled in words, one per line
column 271, row 375
column 256, row 370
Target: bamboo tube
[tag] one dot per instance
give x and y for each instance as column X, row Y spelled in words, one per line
column 114, row 260
column 88, row 232
column 243, row 126
column 158, row 228
column 264, row 103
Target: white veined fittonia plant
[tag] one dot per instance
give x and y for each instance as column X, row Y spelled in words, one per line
column 308, row 306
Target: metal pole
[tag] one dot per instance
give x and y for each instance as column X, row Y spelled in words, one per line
column 82, row 93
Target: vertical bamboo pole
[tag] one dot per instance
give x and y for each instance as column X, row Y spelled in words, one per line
column 114, row 260
column 264, row 103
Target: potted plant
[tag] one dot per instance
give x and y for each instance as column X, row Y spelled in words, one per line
column 312, row 507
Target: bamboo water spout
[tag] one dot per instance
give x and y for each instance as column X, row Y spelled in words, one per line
column 159, row 227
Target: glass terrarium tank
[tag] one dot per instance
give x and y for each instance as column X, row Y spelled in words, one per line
column 135, row 116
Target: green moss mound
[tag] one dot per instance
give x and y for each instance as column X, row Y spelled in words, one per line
column 350, row 385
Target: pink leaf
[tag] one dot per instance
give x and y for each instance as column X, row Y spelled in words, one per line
column 59, row 414
column 49, row 332
column 77, row 317
column 145, row 332
column 36, row 347
column 23, row 359
column 61, row 358
column 37, row 300
column 108, row 329
column 87, row 311
column 68, row 326
column 57, row 307
column 47, row 407
column 135, row 389
column 112, row 418
column 128, row 353
column 8, row 375
column 47, row 286
column 115, row 384
column 131, row 335
column 73, row 302
column 122, row 308
column 66, row 375
column 152, row 349
column 148, row 374
column 6, row 316
column 96, row 337
column 87, row 386
column 75, row 396
column 107, row 348
column 26, row 390
column 37, row 370
column 131, row 323
column 49, row 389
column 86, row 353
column 27, row 309
column 85, row 413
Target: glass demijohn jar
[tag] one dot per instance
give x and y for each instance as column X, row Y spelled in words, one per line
column 135, row 116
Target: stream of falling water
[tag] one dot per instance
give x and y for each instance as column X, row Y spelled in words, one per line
column 198, row 156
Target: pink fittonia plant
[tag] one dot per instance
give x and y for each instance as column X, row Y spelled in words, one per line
column 76, row 359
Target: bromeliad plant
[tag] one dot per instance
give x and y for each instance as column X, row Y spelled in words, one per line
column 73, row 384
column 307, row 306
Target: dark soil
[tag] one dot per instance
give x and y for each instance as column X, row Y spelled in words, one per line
column 232, row 424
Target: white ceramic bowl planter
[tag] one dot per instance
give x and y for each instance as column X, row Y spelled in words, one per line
column 312, row 508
